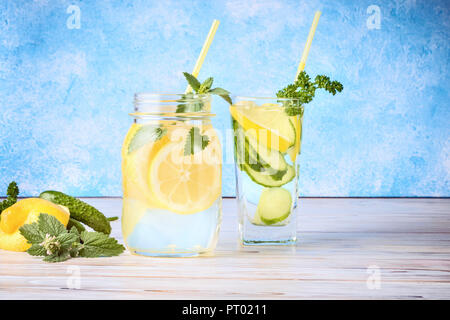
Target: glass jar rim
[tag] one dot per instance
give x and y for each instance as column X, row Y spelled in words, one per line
column 142, row 97
column 148, row 105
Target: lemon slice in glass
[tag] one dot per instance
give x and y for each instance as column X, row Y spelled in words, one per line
column 270, row 125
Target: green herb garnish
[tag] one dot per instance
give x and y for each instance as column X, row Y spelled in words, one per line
column 144, row 134
column 12, row 192
column 195, row 141
column 205, row 87
column 50, row 239
column 304, row 90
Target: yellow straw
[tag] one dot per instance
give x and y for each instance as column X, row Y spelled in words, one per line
column 301, row 66
column 204, row 51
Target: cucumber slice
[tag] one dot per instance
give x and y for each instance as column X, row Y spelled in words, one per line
column 250, row 161
column 269, row 179
column 292, row 123
column 294, row 150
column 239, row 145
column 274, row 205
column 242, row 150
column 268, row 158
column 264, row 159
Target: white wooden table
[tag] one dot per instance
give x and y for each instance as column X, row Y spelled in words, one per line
column 348, row 248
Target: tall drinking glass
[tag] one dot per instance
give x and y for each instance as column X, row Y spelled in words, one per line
column 267, row 140
column 171, row 167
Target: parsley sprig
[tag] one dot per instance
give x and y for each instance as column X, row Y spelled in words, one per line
column 12, row 192
column 304, row 90
column 49, row 238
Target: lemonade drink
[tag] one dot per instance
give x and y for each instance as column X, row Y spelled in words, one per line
column 171, row 167
column 267, row 144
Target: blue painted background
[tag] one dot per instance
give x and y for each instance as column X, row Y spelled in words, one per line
column 65, row 93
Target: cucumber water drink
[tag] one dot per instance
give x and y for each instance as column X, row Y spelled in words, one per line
column 267, row 143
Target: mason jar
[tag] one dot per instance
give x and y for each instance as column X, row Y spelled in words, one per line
column 172, row 172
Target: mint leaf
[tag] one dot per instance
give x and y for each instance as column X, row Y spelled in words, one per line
column 195, row 141
column 66, row 240
column 60, row 257
column 224, row 94
column 205, row 142
column 97, row 244
column 75, row 231
column 145, row 134
column 226, row 98
column 36, row 250
column 205, row 86
column 50, row 225
column 32, row 233
column 219, row 91
column 193, row 82
column 74, row 251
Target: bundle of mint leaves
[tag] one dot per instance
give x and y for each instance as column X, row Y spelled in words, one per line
column 205, row 87
column 199, row 88
column 50, row 239
column 195, row 141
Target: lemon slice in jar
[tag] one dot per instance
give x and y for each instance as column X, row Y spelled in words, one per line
column 186, row 184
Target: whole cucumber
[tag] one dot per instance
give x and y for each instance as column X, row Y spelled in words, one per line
column 79, row 210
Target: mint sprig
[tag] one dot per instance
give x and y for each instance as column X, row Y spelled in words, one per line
column 304, row 90
column 195, row 141
column 205, row 87
column 49, row 238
